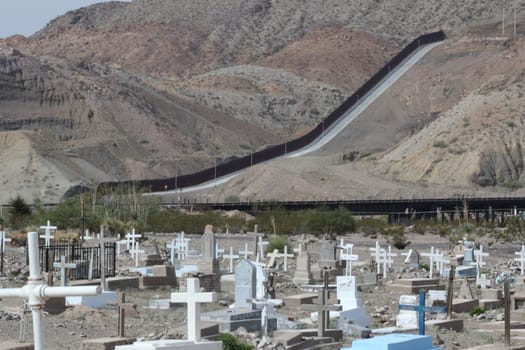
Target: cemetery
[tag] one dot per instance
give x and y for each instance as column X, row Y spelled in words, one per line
column 146, row 290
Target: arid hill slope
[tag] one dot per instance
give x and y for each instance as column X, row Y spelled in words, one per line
column 153, row 87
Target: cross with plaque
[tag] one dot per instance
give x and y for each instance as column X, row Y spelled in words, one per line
column 421, row 310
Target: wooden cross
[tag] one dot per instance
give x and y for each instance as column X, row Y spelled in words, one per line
column 121, row 313
column 35, row 292
column 323, row 310
column 421, row 309
column 47, row 235
column 62, row 265
column 193, row 297
column 231, row 256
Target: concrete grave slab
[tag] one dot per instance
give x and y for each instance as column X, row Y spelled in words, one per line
column 105, row 343
column 394, row 342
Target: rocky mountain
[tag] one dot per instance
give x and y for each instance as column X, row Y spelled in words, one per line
column 153, row 87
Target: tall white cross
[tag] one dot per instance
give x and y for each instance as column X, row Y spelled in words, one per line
column 479, row 254
column 376, row 253
column 432, row 257
column 62, row 265
column 440, row 262
column 138, row 251
column 3, row 240
column 47, row 235
column 390, row 255
column 193, row 297
column 384, row 259
column 134, row 246
column 273, row 256
column 246, row 252
column 35, row 292
column 172, row 248
column 231, row 256
column 285, row 256
column 521, row 258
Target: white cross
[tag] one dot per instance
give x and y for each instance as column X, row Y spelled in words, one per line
column 273, row 255
column 261, row 245
column 246, row 252
column 408, row 256
column 285, row 255
column 376, row 253
column 390, row 255
column 48, row 229
column 348, row 257
column 3, row 240
column 62, row 265
column 521, row 258
column 137, row 253
column 384, row 259
column 86, row 235
column 479, row 259
column 218, row 251
column 193, row 297
column 265, row 304
column 441, row 261
column 231, row 256
column 483, row 281
column 133, row 246
column 35, row 292
column 172, row 248
column 121, row 242
column 432, row 256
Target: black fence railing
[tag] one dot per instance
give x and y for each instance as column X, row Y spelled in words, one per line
column 86, row 259
column 231, row 166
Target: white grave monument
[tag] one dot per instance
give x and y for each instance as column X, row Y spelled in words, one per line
column 407, row 319
column 35, row 292
column 351, row 305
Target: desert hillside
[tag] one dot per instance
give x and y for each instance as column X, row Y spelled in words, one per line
column 151, row 88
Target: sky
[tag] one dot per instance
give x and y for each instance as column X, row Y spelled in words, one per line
column 28, row 16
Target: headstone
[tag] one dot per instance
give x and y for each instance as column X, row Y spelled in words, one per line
column 468, row 252
column 465, row 292
column 245, row 284
column 303, row 272
column 407, row 319
column 421, row 310
column 351, row 306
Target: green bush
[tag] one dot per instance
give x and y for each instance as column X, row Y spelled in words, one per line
column 278, row 242
column 476, row 311
column 231, row 342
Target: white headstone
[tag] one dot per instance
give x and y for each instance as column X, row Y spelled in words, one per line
column 407, row 318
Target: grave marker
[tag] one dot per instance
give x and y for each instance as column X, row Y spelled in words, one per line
column 4, row 240
column 322, row 309
column 231, row 256
column 483, row 281
column 193, row 297
column 273, row 256
column 218, row 251
column 521, row 259
column 62, row 265
column 245, row 284
column 421, row 309
column 246, row 252
column 47, row 234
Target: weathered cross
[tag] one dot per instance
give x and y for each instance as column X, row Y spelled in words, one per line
column 193, row 297
column 421, row 309
column 483, row 281
column 172, row 248
column 347, row 256
column 376, row 253
column 323, row 310
column 47, row 235
column 273, row 256
column 138, row 251
column 35, row 292
column 285, row 256
column 246, row 252
column 441, row 261
column 521, row 258
column 134, row 243
column 62, row 265
column 231, row 257
column 408, row 255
